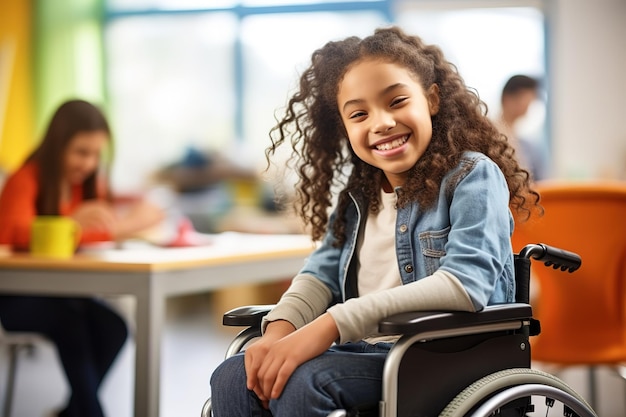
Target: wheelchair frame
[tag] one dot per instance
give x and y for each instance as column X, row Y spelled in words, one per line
column 490, row 346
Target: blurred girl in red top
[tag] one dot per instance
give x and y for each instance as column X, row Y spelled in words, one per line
column 63, row 177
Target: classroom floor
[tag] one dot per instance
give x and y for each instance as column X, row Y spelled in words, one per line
column 194, row 344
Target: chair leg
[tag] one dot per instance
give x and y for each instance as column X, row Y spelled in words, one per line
column 11, row 372
column 620, row 370
column 591, row 375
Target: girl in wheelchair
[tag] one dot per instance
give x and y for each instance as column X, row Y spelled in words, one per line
column 423, row 222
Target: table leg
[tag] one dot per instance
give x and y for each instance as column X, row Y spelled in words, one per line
column 150, row 316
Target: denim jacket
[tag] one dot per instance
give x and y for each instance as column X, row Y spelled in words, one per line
column 466, row 232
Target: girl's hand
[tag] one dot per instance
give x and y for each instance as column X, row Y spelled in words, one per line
column 137, row 218
column 100, row 215
column 289, row 352
column 96, row 215
column 256, row 353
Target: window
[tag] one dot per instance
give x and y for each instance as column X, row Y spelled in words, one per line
column 170, row 82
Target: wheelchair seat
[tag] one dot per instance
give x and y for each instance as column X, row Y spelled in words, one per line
column 445, row 356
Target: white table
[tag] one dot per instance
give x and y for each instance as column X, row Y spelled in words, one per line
column 151, row 275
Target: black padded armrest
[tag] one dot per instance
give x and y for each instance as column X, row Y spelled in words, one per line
column 404, row 323
column 246, row 316
column 425, row 321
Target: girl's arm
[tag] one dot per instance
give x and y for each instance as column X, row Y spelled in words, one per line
column 138, row 217
column 17, row 208
column 305, row 299
column 100, row 221
column 358, row 318
column 95, row 219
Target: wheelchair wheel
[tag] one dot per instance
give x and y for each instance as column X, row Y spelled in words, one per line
column 511, row 392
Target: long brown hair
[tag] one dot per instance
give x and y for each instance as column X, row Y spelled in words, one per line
column 320, row 146
column 70, row 118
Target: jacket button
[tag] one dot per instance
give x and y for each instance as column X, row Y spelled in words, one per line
column 408, row 268
column 403, row 228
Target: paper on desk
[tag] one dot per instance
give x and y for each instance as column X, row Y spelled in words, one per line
column 223, row 244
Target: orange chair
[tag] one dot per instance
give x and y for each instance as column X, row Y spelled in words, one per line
column 582, row 315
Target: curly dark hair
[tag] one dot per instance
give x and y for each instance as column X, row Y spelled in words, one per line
column 322, row 153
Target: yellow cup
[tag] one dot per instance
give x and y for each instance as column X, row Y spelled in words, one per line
column 54, row 237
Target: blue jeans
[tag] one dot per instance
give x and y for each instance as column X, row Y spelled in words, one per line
column 344, row 377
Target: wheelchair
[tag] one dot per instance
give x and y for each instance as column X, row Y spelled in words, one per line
column 460, row 364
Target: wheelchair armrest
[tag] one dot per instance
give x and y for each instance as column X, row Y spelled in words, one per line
column 404, row 323
column 426, row 321
column 246, row 316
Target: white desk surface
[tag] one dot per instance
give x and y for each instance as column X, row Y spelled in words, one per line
column 139, row 256
column 152, row 274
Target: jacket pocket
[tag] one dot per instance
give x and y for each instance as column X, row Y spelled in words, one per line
column 432, row 244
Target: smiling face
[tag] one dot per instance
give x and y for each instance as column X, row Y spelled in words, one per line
column 82, row 155
column 387, row 115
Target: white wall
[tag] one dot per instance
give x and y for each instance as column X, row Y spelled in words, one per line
column 587, row 67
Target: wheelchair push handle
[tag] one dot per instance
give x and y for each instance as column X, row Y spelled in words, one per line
column 555, row 257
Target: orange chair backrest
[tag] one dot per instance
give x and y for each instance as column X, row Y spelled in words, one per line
column 583, row 314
